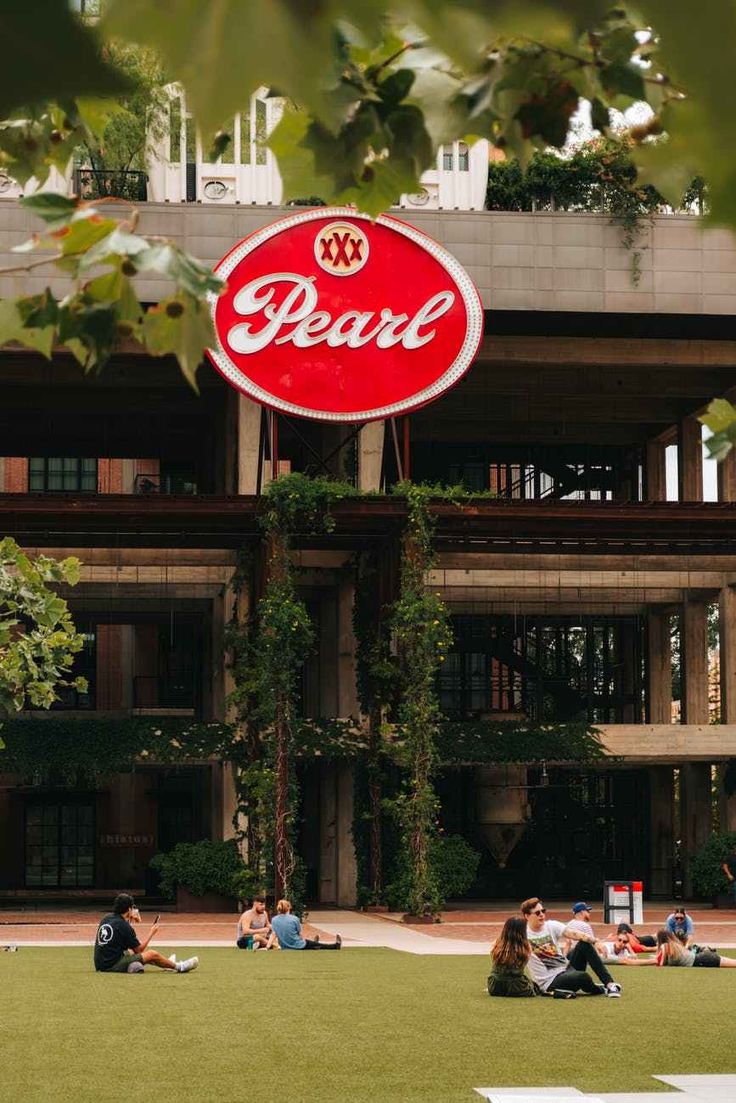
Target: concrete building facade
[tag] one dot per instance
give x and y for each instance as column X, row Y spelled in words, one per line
column 576, row 593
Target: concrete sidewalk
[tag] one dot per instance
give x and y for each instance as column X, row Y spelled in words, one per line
column 463, row 930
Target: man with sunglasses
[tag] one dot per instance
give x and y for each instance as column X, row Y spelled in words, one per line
column 551, row 970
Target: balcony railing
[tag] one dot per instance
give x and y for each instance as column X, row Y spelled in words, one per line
column 164, row 484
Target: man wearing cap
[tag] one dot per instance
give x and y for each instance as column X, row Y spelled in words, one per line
column 581, row 920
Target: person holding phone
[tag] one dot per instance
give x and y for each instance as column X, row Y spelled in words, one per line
column 118, row 948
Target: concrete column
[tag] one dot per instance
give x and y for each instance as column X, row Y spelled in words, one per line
column 694, row 658
column 347, row 697
column 662, row 830
column 659, row 667
column 347, row 867
column 695, row 814
column 229, row 801
column 727, row 478
column 655, row 472
column 370, row 456
column 690, row 460
column 249, row 444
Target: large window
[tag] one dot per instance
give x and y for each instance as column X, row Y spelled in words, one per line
column 60, row 845
column 551, row 668
column 62, row 473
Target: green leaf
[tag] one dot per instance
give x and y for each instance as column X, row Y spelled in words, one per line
column 719, row 416
column 623, row 79
column 181, row 326
column 12, row 329
column 381, row 185
column 297, row 160
column 49, row 54
column 210, row 56
column 600, row 115
column 80, row 235
column 696, row 50
column 54, row 209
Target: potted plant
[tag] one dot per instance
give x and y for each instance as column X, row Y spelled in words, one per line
column 709, row 880
column 200, row 875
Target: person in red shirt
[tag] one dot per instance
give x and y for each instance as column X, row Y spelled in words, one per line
column 639, row 945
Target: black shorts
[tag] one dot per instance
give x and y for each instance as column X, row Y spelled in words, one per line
column 707, row 959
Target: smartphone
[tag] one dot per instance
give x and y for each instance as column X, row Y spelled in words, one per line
column 157, row 919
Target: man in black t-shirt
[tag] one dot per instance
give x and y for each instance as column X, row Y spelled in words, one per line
column 117, row 947
column 729, row 868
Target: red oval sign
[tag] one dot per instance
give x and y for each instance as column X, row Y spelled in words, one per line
column 330, row 315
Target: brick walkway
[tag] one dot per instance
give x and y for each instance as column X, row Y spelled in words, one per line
column 462, row 930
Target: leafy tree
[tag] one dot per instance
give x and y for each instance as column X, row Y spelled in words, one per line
column 38, row 640
column 121, row 146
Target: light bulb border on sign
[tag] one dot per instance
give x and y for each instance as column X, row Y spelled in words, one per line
column 455, row 371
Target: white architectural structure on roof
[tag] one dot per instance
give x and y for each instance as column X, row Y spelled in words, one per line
column 248, row 173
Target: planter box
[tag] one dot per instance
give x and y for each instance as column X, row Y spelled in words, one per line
column 419, row 920
column 724, row 900
column 375, row 909
column 210, row 902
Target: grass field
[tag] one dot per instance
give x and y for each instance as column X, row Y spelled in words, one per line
column 361, row 1025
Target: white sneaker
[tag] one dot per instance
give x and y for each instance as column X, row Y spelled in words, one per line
column 613, row 990
column 172, row 957
column 188, row 965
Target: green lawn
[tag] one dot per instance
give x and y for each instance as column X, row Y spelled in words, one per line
column 361, row 1025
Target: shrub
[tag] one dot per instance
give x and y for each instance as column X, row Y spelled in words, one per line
column 199, row 867
column 453, row 868
column 709, row 880
column 454, row 864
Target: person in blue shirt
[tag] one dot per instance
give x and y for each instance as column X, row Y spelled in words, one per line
column 288, row 930
column 679, row 923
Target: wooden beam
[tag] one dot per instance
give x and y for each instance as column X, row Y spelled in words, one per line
column 607, row 350
column 673, row 743
column 655, row 471
column 694, row 662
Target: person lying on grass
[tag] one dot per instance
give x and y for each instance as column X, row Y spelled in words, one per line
column 638, row 944
column 254, row 924
column 671, row 951
column 549, row 966
column 288, row 930
column 118, row 949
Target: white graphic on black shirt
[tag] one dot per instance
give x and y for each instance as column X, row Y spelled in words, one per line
column 105, row 934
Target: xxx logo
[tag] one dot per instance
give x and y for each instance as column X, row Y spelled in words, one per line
column 341, row 248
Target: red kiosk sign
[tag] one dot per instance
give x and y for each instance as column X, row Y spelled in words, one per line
column 330, row 315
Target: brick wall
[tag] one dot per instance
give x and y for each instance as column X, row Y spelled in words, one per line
column 16, row 475
column 109, row 476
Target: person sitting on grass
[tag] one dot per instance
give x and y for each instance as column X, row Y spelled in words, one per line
column 288, row 931
column 118, row 950
column 671, row 951
column 549, row 966
column 679, row 922
column 255, row 925
column 510, row 955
